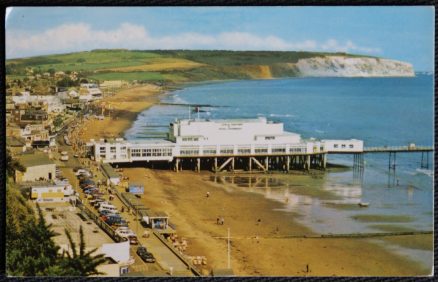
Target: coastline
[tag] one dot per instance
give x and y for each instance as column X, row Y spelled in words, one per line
column 270, row 254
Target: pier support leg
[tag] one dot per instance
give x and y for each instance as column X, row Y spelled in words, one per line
column 287, row 163
column 198, row 165
column 308, row 162
column 224, row 164
column 324, row 161
column 176, row 164
column 215, row 164
column 264, row 168
column 267, row 163
column 232, row 164
column 250, row 164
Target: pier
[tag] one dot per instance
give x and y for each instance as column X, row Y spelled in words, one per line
column 251, row 145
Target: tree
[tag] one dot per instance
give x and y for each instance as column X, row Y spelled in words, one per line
column 83, row 80
column 51, row 71
column 82, row 263
column 12, row 165
column 66, row 82
column 57, row 121
column 33, row 252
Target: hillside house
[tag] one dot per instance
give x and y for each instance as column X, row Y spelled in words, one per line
column 15, row 145
column 90, row 92
column 37, row 166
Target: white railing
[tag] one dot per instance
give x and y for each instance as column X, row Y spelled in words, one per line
column 398, row 148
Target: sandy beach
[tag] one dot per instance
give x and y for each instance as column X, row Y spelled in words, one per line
column 258, row 248
column 124, row 107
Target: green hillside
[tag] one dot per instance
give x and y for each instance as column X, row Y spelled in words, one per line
column 172, row 66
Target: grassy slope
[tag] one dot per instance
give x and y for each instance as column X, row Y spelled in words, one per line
column 177, row 65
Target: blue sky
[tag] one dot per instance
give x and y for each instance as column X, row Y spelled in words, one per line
column 401, row 33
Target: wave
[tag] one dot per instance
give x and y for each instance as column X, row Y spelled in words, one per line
column 282, row 115
column 427, row 172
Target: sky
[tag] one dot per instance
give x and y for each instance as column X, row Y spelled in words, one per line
column 400, row 33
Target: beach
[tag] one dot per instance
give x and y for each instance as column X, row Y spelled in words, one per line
column 259, row 227
column 124, row 107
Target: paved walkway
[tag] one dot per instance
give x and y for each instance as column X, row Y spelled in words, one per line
column 164, row 256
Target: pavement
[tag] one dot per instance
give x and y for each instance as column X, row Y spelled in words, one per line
column 165, row 258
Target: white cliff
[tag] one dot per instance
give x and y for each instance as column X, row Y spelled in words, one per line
column 341, row 66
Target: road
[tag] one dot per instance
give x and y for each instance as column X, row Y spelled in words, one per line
column 165, row 258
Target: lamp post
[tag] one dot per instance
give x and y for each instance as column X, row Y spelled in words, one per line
column 229, row 250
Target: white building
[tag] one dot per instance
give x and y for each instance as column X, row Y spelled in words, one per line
column 90, row 92
column 60, row 192
column 214, row 138
column 54, row 103
column 37, row 167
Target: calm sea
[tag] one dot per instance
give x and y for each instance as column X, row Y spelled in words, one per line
column 380, row 111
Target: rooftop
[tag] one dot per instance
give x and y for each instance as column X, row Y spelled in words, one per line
column 237, row 120
column 35, row 159
column 109, row 171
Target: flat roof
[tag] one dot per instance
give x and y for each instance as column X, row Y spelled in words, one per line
column 36, row 159
column 109, row 171
column 235, row 120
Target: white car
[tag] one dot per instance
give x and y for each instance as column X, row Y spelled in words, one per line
column 124, row 232
column 83, row 172
column 64, row 156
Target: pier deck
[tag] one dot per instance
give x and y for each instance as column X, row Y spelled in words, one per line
column 397, row 149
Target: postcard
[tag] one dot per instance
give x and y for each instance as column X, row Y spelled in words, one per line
column 220, row 141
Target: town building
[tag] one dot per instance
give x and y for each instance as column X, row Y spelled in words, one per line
column 90, row 92
column 37, row 167
column 15, row 145
column 51, row 193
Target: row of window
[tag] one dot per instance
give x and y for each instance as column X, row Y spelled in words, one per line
column 186, row 139
column 351, row 146
column 157, row 152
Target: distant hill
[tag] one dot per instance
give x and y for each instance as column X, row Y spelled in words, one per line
column 192, row 65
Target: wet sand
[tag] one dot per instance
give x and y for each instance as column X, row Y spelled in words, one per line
column 257, row 248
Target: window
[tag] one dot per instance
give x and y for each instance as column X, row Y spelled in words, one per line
column 278, row 150
column 189, row 152
column 136, row 153
column 244, row 150
column 210, row 152
column 261, row 150
column 269, row 137
column 343, row 146
column 112, row 149
column 227, row 151
column 351, row 146
column 335, row 146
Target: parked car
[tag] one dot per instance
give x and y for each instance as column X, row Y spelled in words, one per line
column 106, row 213
column 145, row 255
column 83, row 172
column 125, row 232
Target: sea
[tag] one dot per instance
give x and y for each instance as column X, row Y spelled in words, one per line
column 379, row 111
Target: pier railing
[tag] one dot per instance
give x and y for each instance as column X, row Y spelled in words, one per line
column 398, row 149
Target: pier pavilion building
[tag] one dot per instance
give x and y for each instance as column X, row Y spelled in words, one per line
column 225, row 144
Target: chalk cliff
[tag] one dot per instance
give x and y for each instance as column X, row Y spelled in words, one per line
column 341, row 66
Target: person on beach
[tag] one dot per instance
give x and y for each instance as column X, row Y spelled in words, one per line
column 217, row 221
column 208, row 194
